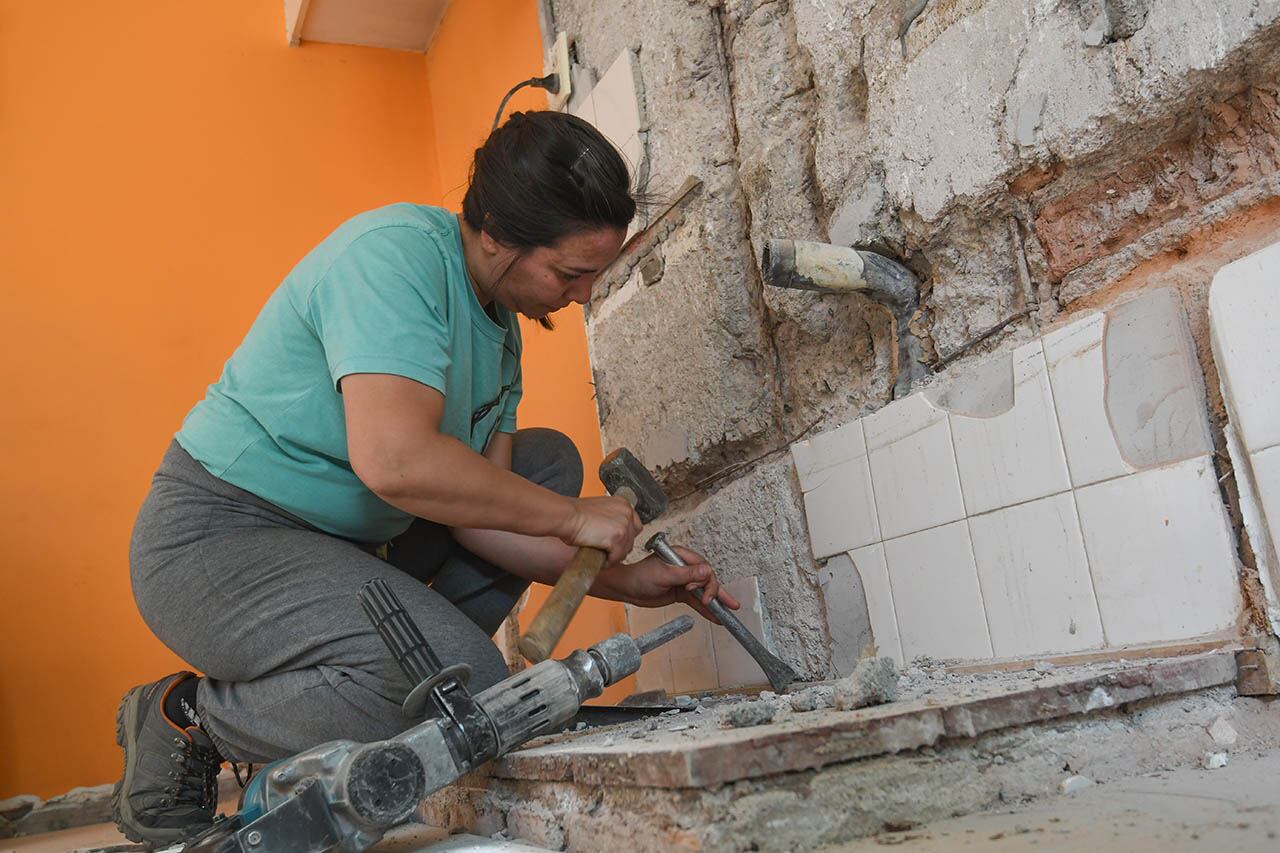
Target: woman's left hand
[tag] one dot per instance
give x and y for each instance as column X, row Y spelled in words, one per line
column 654, row 583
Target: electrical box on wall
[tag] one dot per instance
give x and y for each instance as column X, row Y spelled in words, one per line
column 557, row 63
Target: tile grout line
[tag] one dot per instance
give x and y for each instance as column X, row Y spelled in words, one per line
column 888, row 579
column 968, row 532
column 1075, row 501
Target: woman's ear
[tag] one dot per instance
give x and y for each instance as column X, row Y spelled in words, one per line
column 492, row 248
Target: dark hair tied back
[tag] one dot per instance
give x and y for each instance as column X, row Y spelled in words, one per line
column 543, row 176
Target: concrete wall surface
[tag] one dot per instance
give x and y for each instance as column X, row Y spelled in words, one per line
column 1029, row 160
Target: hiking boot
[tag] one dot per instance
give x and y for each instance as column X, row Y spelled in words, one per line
column 170, row 786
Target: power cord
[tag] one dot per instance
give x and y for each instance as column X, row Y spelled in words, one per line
column 551, row 83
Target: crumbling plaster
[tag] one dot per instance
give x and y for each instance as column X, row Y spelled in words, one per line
column 1021, row 156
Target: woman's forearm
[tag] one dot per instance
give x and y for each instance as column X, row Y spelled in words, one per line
column 535, row 558
column 447, row 482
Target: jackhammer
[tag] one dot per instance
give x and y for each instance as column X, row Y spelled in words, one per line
column 344, row 796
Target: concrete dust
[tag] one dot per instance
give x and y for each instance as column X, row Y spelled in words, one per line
column 874, row 681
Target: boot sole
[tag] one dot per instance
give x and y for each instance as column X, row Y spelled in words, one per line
column 121, row 813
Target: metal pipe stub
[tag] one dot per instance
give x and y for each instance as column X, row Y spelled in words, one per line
column 824, row 268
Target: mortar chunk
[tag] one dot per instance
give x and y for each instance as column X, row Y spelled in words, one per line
column 873, row 681
column 749, row 714
column 813, row 698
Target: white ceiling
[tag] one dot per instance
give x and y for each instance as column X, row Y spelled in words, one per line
column 398, row 24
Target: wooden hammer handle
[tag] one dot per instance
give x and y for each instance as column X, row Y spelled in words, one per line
column 566, row 597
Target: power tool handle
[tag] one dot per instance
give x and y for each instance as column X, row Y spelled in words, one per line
column 397, row 629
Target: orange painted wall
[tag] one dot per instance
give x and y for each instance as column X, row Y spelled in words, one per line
column 480, row 51
column 162, row 166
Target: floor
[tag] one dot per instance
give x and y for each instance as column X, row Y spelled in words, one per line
column 1235, row 808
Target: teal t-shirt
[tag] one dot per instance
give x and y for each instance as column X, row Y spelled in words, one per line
column 388, row 292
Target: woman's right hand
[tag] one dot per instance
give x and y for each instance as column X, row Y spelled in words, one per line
column 608, row 524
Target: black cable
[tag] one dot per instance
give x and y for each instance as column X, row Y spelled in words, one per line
column 551, row 83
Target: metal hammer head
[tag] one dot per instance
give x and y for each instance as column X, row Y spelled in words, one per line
column 621, row 468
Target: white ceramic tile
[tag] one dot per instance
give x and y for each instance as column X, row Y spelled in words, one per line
column 1244, row 314
column 616, row 101
column 655, row 667
column 736, row 668
column 814, row 457
column 1160, row 552
column 632, row 151
column 1078, row 380
column 693, row 657
column 1017, row 455
column 1266, row 478
column 913, row 466
column 936, row 595
column 586, row 109
column 839, row 505
column 846, row 605
column 874, row 574
column 1035, row 578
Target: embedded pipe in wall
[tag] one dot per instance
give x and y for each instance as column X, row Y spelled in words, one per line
column 824, row 268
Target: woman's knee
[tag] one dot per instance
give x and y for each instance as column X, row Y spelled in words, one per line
column 549, row 458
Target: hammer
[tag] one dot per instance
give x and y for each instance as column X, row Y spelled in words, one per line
column 623, row 476
column 779, row 674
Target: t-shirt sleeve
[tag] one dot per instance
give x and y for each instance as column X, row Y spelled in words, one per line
column 380, row 308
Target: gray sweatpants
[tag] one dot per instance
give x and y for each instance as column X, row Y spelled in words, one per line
column 266, row 606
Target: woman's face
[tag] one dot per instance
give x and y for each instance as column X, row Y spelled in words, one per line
column 543, row 280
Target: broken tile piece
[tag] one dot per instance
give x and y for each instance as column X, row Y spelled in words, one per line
column 873, row 571
column 1013, row 455
column 1154, row 386
column 1073, row 355
column 1223, row 733
column 847, row 618
column 1214, row 760
column 815, row 457
column 1075, row 784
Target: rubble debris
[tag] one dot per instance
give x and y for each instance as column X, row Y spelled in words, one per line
column 685, row 702
column 18, row 807
column 1223, row 733
column 1214, row 760
column 873, row 681
column 813, row 698
column 580, row 727
column 1044, row 666
column 749, row 714
column 1074, row 784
